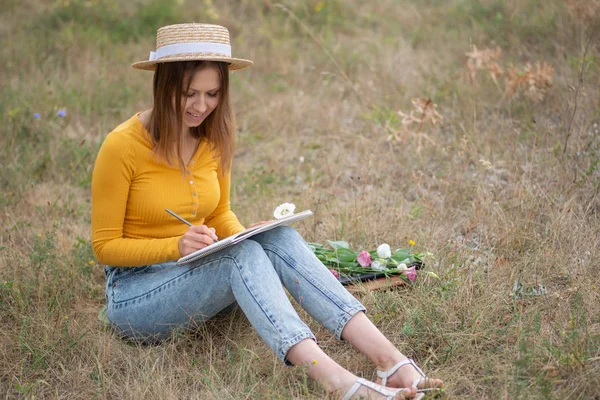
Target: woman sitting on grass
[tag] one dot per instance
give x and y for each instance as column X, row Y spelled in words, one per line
column 178, row 155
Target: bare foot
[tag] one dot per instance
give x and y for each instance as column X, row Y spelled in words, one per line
column 366, row 392
column 406, row 375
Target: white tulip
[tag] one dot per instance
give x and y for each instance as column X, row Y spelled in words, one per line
column 384, row 251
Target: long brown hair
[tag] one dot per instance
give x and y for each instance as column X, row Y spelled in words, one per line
column 171, row 81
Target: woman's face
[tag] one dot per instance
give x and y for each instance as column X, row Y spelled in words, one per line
column 202, row 97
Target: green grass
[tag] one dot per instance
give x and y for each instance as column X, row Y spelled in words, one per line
column 490, row 190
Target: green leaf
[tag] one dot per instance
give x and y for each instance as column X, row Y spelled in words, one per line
column 346, row 255
column 348, row 264
column 400, row 255
column 418, row 256
column 391, row 263
column 338, row 244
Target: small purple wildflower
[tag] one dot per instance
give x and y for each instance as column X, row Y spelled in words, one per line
column 37, row 116
column 62, row 113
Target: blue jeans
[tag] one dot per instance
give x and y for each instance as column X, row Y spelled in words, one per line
column 146, row 303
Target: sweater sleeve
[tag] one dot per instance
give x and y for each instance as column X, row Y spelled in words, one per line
column 111, row 179
column 222, row 218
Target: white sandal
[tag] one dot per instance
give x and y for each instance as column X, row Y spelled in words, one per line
column 384, row 375
column 390, row 393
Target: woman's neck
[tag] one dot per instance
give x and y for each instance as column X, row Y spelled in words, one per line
column 188, row 139
column 189, row 143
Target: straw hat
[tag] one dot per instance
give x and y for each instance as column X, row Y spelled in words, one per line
column 189, row 42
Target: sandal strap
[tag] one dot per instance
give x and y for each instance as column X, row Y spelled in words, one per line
column 388, row 392
column 384, row 375
column 426, row 389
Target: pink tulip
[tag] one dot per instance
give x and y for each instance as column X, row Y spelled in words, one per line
column 335, row 273
column 411, row 273
column 364, row 259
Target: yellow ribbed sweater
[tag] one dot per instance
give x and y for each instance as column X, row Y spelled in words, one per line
column 131, row 189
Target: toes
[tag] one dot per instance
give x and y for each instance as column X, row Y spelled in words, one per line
column 430, row 383
column 407, row 393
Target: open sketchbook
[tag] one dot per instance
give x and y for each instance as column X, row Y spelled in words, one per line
column 238, row 237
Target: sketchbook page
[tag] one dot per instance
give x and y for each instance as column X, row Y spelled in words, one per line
column 270, row 225
column 238, row 237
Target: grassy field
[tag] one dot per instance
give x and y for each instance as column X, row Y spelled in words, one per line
column 471, row 127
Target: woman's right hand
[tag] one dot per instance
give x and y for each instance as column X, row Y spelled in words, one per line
column 196, row 238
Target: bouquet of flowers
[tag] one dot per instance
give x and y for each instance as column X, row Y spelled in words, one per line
column 347, row 264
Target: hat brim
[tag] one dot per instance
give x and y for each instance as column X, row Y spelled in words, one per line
column 234, row 63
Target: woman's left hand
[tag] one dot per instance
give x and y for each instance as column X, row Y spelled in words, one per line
column 258, row 223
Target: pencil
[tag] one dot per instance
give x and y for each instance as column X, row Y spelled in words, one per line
column 188, row 223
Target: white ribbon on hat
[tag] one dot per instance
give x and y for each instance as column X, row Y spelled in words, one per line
column 191, row 47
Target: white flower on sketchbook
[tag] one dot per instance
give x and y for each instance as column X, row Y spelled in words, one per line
column 384, row 251
column 378, row 265
column 284, row 210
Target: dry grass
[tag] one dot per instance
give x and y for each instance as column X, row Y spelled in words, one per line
column 392, row 120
